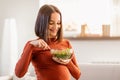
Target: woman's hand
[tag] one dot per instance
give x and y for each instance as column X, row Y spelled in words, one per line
column 40, row 43
column 61, row 61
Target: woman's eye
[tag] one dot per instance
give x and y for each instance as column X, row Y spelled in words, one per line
column 58, row 23
column 51, row 23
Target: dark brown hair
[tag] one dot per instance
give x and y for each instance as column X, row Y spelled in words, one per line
column 42, row 22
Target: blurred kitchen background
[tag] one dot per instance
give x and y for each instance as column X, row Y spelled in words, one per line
column 98, row 19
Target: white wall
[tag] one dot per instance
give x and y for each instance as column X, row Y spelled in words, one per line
column 97, row 50
column 24, row 12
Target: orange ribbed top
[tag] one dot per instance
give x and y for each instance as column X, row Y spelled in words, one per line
column 45, row 67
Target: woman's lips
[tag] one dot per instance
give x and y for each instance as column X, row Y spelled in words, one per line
column 53, row 31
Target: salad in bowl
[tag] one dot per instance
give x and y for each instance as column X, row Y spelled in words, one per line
column 62, row 55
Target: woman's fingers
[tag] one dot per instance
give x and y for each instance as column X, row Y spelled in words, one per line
column 34, row 43
column 65, row 61
column 40, row 43
column 61, row 61
column 43, row 44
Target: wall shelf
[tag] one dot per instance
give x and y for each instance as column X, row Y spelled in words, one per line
column 94, row 38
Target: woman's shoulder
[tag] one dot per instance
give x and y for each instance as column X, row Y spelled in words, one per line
column 65, row 40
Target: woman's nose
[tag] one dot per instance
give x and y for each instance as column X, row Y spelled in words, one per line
column 56, row 25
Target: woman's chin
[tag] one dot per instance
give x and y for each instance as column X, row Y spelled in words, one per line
column 53, row 36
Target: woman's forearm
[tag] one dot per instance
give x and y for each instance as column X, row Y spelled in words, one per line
column 24, row 61
column 74, row 70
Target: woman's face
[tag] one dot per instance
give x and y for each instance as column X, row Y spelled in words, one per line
column 54, row 25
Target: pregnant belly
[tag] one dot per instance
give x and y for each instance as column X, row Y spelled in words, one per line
column 60, row 72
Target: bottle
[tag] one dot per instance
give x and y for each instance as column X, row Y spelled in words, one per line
column 106, row 30
column 83, row 30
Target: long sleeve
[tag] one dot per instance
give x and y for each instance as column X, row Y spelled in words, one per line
column 24, row 61
column 73, row 65
column 73, row 68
